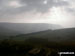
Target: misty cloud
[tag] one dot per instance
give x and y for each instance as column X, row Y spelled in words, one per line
column 38, row 10
column 19, row 6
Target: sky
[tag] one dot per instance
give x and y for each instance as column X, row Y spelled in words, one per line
column 61, row 12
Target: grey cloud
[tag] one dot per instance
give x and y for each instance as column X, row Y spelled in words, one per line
column 37, row 5
column 40, row 6
column 62, row 3
column 33, row 4
column 71, row 10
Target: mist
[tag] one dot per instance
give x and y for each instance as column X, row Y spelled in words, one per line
column 60, row 12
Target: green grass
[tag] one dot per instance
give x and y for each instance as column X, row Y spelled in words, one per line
column 24, row 48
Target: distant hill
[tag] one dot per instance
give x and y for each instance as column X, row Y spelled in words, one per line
column 50, row 35
column 44, row 43
column 24, row 28
column 5, row 32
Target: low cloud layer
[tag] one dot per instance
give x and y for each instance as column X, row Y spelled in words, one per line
column 17, row 6
column 34, row 10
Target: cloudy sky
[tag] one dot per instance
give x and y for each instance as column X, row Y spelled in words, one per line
column 60, row 12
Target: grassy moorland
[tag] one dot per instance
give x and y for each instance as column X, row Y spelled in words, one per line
column 45, row 43
column 33, row 48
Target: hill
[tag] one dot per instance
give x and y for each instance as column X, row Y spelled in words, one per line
column 67, row 34
column 12, row 29
column 43, row 43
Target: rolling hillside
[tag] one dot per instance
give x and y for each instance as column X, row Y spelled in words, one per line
column 43, row 43
column 12, row 29
column 67, row 34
